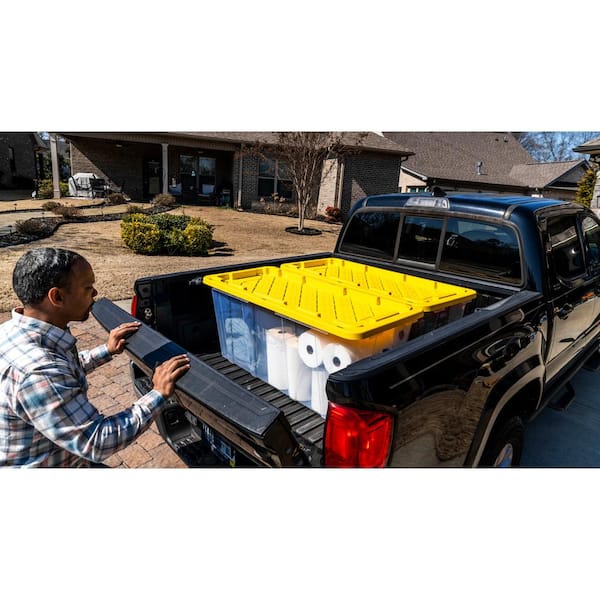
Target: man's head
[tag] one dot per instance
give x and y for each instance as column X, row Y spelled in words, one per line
column 57, row 282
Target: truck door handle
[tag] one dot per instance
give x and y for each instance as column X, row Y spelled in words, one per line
column 565, row 311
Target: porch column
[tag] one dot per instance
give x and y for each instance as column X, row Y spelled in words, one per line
column 165, row 168
column 55, row 174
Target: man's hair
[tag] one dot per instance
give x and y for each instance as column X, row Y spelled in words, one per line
column 41, row 269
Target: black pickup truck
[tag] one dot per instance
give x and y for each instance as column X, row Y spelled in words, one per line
column 459, row 392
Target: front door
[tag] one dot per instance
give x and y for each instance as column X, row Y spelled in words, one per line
column 152, row 178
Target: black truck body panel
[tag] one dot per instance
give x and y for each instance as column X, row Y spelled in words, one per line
column 533, row 324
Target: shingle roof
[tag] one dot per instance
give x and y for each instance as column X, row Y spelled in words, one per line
column 540, row 175
column 369, row 141
column 455, row 155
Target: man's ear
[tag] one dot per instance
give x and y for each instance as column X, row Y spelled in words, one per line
column 55, row 296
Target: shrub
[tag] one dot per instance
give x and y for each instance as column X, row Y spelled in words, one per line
column 51, row 205
column 333, row 214
column 166, row 234
column 45, row 189
column 135, row 209
column 115, row 198
column 34, row 227
column 585, row 188
column 142, row 237
column 198, row 237
column 67, row 212
column 163, row 200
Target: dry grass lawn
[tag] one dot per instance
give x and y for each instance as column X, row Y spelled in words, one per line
column 239, row 237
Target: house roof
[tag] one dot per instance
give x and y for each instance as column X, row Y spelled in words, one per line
column 591, row 147
column 364, row 140
column 456, row 155
column 367, row 140
column 541, row 175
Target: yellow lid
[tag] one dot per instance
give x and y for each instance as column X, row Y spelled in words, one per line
column 423, row 293
column 345, row 311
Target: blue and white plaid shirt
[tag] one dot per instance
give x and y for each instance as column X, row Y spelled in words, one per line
column 46, row 419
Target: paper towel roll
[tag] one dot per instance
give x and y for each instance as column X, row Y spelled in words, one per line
column 277, row 369
column 339, row 356
column 310, row 347
column 299, row 375
column 318, row 401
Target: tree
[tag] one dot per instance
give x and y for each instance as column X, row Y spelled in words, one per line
column 554, row 146
column 585, row 188
column 304, row 153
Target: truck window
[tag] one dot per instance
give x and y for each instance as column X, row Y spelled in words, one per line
column 591, row 234
column 481, row 249
column 420, row 239
column 567, row 253
column 372, row 234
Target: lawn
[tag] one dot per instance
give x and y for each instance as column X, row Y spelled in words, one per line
column 238, row 237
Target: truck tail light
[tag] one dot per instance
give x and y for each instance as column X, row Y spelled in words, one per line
column 134, row 304
column 357, row 438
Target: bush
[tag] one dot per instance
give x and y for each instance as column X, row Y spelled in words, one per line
column 333, row 214
column 198, row 238
column 163, row 200
column 45, row 189
column 115, row 198
column 51, row 205
column 34, row 227
column 142, row 237
column 585, row 188
column 133, row 209
column 166, row 234
column 67, row 212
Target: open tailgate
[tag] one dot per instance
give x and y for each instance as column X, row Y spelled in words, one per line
column 257, row 428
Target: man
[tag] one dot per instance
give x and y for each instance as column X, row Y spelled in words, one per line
column 46, row 419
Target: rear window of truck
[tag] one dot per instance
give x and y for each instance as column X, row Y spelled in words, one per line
column 457, row 245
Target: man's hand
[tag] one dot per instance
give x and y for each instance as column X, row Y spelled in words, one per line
column 167, row 373
column 116, row 338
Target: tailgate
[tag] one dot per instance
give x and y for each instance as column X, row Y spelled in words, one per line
column 256, row 427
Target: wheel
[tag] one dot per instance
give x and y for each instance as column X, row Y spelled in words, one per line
column 505, row 444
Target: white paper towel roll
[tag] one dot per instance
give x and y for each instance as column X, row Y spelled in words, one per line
column 339, row 356
column 318, row 394
column 277, row 369
column 299, row 375
column 310, row 347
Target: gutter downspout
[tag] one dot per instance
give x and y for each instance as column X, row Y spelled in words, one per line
column 240, row 168
column 55, row 175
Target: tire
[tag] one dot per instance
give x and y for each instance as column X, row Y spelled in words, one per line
column 505, row 445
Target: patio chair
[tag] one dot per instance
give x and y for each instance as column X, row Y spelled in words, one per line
column 98, row 188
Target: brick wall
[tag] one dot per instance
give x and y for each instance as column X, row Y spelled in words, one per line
column 249, row 179
column 368, row 173
column 111, row 163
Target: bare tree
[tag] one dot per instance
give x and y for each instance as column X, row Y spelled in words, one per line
column 554, row 146
column 305, row 154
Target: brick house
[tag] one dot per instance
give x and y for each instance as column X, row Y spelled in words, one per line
column 21, row 160
column 482, row 162
column 210, row 167
column 593, row 149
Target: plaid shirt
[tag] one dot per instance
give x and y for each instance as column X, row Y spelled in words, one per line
column 46, row 419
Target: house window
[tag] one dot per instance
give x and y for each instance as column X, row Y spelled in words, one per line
column 415, row 189
column 198, row 174
column 11, row 159
column 207, row 173
column 274, row 178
